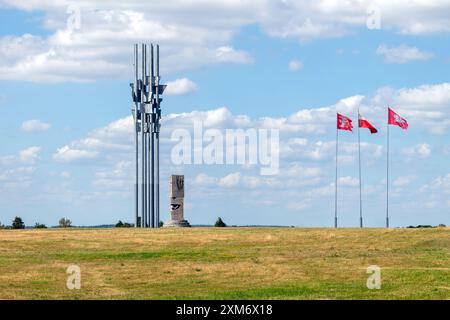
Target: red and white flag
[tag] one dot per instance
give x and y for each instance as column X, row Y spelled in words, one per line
column 363, row 123
column 395, row 119
column 344, row 123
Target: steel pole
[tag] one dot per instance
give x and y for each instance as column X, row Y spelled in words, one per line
column 136, row 137
column 152, row 176
column 136, row 187
column 158, row 112
column 144, row 145
column 149, row 220
column 148, row 128
column 336, row 181
column 387, row 180
column 360, row 182
column 152, row 140
column 143, row 166
column 157, row 177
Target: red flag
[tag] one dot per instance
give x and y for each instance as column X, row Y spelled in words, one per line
column 363, row 123
column 395, row 119
column 344, row 123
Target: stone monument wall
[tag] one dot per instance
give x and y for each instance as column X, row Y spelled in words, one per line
column 176, row 194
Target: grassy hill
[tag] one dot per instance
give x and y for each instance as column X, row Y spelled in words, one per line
column 225, row 263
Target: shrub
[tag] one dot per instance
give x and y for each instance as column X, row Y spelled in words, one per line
column 121, row 224
column 219, row 223
column 40, row 226
column 18, row 223
column 161, row 224
column 421, row 226
column 64, row 223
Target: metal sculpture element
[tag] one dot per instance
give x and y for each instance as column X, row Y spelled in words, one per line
column 146, row 112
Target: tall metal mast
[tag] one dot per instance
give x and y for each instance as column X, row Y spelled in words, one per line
column 146, row 115
column 135, row 112
column 157, row 125
column 152, row 149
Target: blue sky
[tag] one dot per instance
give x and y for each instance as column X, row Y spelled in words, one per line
column 65, row 105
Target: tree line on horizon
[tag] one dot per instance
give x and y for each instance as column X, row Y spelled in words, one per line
column 18, row 223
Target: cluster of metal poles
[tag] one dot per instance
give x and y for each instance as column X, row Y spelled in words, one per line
column 146, row 112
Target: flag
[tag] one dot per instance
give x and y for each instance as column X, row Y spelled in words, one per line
column 395, row 119
column 344, row 123
column 363, row 123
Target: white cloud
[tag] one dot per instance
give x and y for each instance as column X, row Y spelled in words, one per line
column 229, row 54
column 65, row 174
column 307, row 149
column 440, row 183
column 118, row 178
column 34, row 126
column 306, row 20
column 16, row 178
column 425, row 106
column 116, row 137
column 298, row 205
column 101, row 48
column 324, row 150
column 402, row 54
column 189, row 37
column 30, row 155
column 300, row 171
column 180, row 87
column 295, row 65
column 435, row 193
column 67, row 154
column 419, row 105
column 292, row 175
column 348, row 181
column 230, row 180
column 203, row 179
column 422, row 150
column 403, row 181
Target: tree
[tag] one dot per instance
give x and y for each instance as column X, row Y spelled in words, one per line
column 18, row 223
column 2, row 226
column 220, row 223
column 119, row 224
column 65, row 223
column 40, row 226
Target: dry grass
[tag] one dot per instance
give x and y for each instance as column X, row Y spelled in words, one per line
column 235, row 263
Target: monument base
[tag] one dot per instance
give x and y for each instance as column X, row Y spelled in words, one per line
column 176, row 224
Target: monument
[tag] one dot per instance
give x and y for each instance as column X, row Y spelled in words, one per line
column 176, row 191
column 146, row 92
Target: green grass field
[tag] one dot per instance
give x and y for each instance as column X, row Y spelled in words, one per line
column 225, row 263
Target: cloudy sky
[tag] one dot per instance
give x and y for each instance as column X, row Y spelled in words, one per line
column 66, row 132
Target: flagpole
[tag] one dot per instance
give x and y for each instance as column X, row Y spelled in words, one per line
column 387, row 179
column 360, row 183
column 336, row 180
